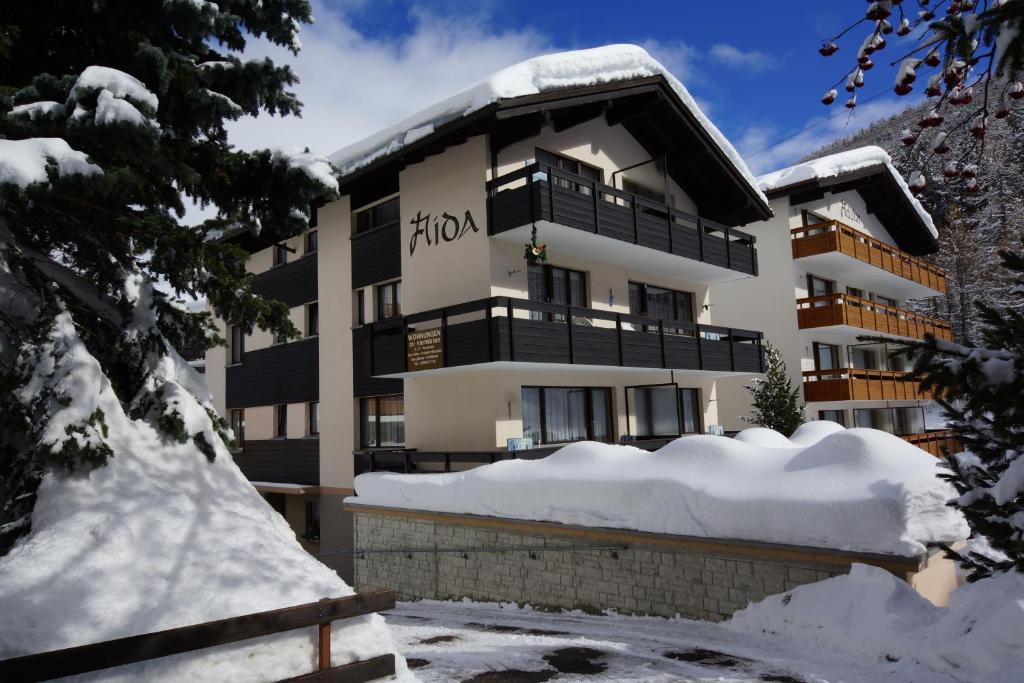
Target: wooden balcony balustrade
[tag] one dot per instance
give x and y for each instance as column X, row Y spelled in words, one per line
column 504, row 329
column 858, row 384
column 833, row 236
column 539, row 192
column 845, row 309
column 935, row 442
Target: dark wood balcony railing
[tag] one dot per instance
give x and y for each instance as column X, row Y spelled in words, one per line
column 281, row 461
column 935, row 442
column 858, row 384
column 833, row 236
column 517, row 330
column 845, row 309
column 540, row 192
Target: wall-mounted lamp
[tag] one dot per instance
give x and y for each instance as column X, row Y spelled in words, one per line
column 514, row 271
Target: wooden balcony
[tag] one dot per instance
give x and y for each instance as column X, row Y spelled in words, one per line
column 857, row 384
column 829, row 310
column 583, row 216
column 935, row 442
column 833, row 237
column 508, row 330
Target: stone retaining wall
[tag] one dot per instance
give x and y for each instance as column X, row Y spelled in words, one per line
column 650, row 577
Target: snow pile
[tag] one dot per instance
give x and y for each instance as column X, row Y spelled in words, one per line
column 834, row 165
column 850, row 489
column 160, row 537
column 541, row 74
column 24, row 162
column 871, row 613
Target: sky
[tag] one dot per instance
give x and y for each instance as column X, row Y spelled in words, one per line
column 752, row 65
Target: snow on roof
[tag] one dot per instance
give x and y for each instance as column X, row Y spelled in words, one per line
column 838, row 164
column 827, row 487
column 547, row 73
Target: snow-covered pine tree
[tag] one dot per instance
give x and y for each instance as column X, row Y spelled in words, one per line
column 112, row 113
column 981, row 388
column 775, row 401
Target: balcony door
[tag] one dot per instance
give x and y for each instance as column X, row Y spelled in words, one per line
column 819, row 286
column 826, row 357
column 571, row 165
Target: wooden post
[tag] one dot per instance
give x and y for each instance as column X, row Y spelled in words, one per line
column 325, row 642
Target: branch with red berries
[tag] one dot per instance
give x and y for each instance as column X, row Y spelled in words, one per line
column 976, row 43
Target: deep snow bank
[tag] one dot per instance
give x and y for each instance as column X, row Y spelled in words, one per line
column 158, row 538
column 850, row 489
column 870, row 612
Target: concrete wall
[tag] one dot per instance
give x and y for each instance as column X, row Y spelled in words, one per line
column 444, row 272
column 696, row 582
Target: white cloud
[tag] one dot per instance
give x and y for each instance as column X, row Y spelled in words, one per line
column 763, row 151
column 731, row 55
column 353, row 85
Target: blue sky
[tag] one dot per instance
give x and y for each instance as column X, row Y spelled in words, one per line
column 753, row 65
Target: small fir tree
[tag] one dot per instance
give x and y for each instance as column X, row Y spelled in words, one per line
column 776, row 402
column 981, row 388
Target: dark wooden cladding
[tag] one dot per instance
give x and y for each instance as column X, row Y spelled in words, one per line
column 363, row 381
column 503, row 329
column 281, row 461
column 527, row 195
column 283, row 373
column 374, row 669
column 376, row 255
column 132, row 649
column 294, row 282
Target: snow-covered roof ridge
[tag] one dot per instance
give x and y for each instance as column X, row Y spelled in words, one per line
column 840, row 163
column 557, row 71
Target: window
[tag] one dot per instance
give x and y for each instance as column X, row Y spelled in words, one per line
column 572, row 166
column 554, row 285
column 383, row 422
column 908, row 420
column 817, row 286
column 854, row 291
column 379, row 216
column 564, row 414
column 663, row 410
column 237, row 344
column 389, row 300
column 312, row 319
column 867, row 356
column 313, row 418
column 657, row 302
column 838, row 416
column 311, row 242
column 238, row 426
column 874, row 418
column 360, row 307
column 280, row 254
column 826, row 356
column 312, row 534
column 884, row 300
column 689, row 402
column 281, row 421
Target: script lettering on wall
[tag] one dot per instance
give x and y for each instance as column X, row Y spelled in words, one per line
column 443, row 228
column 849, row 214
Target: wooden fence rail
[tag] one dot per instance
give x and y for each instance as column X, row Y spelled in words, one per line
column 132, row 649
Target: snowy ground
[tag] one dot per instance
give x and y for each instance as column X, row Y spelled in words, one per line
column 467, row 641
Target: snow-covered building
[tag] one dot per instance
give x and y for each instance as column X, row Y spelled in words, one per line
column 432, row 342
column 839, row 260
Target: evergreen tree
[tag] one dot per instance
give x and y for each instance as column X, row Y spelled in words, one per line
column 981, row 388
column 776, row 402
column 112, row 116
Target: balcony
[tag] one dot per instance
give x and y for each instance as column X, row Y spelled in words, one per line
column 280, row 461
column 935, row 442
column 836, row 250
column 858, row 384
column 595, row 221
column 507, row 332
column 848, row 311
